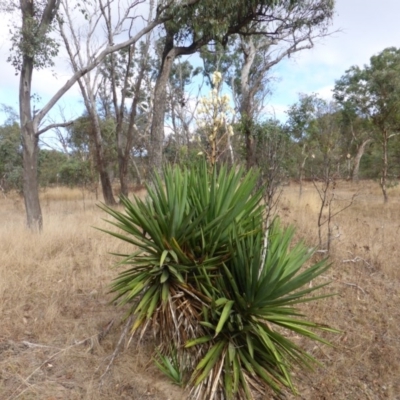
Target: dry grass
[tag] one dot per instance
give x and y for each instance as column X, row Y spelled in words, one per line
column 365, row 363
column 56, row 336
column 53, row 293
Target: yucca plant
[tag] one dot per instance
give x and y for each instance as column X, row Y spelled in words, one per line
column 254, row 309
column 170, row 365
column 181, row 232
column 202, row 279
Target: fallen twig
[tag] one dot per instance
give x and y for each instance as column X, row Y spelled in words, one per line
column 354, row 285
column 345, row 283
column 356, row 259
column 117, row 347
column 34, row 345
column 98, row 336
column 105, row 331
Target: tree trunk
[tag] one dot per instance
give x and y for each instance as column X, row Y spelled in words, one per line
column 125, row 146
column 90, row 104
column 30, row 146
column 301, row 169
column 247, row 130
column 119, row 109
column 30, row 178
column 360, row 152
column 139, row 175
column 122, row 150
column 106, row 186
column 157, row 126
column 384, row 164
column 155, row 151
column 246, row 106
column 123, row 158
column 100, row 161
column 123, row 163
column 160, row 93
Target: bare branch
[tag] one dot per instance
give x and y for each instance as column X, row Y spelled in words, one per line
column 124, row 333
column 96, row 61
column 52, row 126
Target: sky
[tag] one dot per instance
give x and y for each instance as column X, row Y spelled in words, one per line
column 361, row 29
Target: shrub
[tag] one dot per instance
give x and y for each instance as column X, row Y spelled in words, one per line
column 212, row 284
column 74, row 172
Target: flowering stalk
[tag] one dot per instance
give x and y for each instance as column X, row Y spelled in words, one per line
column 213, row 113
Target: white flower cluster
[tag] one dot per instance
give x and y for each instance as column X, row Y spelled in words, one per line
column 214, row 109
column 214, row 112
column 216, row 78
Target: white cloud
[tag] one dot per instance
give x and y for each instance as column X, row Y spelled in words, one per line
column 325, row 92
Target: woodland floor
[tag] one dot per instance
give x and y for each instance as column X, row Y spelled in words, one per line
column 58, row 331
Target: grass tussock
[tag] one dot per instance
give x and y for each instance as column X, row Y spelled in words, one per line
column 366, row 277
column 58, row 331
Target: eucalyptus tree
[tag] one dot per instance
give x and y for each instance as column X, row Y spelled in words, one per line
column 352, row 133
column 274, row 159
column 358, row 134
column 181, row 102
column 127, row 85
column 374, row 93
column 222, row 58
column 35, row 47
column 205, row 21
column 295, row 30
column 316, row 125
column 123, row 82
column 250, row 56
column 114, row 83
column 300, row 117
column 78, row 42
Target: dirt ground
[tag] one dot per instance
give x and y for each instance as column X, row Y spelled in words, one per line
column 59, row 332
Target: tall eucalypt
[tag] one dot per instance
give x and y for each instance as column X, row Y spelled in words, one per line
column 222, row 306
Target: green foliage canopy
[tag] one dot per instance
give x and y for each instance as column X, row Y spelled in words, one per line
column 374, row 90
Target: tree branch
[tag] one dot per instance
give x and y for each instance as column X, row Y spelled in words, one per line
column 52, row 126
column 48, row 16
column 96, row 61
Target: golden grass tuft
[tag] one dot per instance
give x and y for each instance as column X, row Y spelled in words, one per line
column 365, row 363
column 56, row 336
column 54, row 309
column 62, row 193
